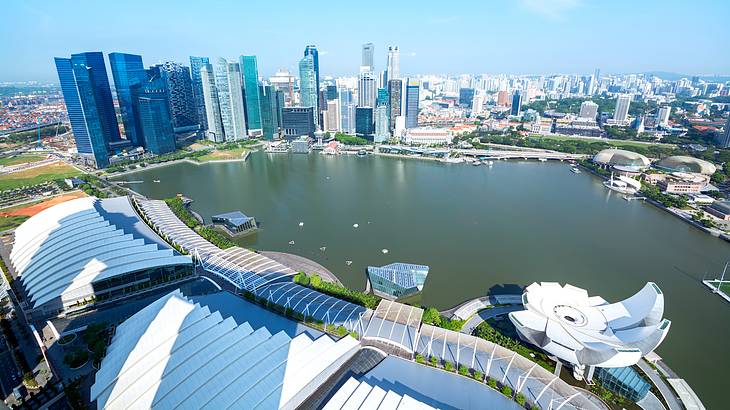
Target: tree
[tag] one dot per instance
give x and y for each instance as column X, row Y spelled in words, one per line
column 520, row 399
column 507, row 391
column 431, row 316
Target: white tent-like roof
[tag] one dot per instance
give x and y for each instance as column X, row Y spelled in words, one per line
column 177, row 354
column 583, row 330
column 63, row 250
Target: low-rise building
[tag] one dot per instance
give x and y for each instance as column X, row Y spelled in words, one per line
column 397, row 280
column 683, row 183
column 720, row 210
column 300, row 145
column 428, row 136
column 235, row 222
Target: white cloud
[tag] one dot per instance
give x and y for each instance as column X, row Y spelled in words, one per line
column 551, row 9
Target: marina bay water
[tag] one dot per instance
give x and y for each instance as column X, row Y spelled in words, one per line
column 478, row 228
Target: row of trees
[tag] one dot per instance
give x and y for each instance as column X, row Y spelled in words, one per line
column 210, row 234
column 432, row 316
column 315, row 282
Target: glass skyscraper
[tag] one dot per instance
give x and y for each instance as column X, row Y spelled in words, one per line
column 347, row 111
column 179, row 89
column 308, row 83
column 364, row 121
column 196, row 64
column 129, row 75
column 230, row 96
column 311, row 50
column 89, row 104
column 214, row 129
column 250, row 72
column 395, row 93
column 272, row 102
column 153, row 110
column 412, row 90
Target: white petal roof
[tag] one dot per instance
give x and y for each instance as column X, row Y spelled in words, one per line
column 566, row 322
column 176, row 354
column 62, row 250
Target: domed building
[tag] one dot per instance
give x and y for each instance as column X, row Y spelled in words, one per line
column 623, row 161
column 686, row 164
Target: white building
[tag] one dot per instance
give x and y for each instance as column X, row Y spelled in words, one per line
column 588, row 111
column 230, row 96
column 382, row 131
column 477, row 105
column 332, row 116
column 393, row 63
column 621, row 112
column 428, row 136
column 212, row 106
column 400, row 126
column 662, row 117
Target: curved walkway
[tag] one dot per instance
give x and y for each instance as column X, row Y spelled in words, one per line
column 300, row 263
column 666, row 392
column 486, row 314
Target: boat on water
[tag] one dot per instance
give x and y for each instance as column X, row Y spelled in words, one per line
column 623, row 185
column 362, row 153
column 156, row 181
column 575, row 170
column 477, row 163
column 453, row 160
column 542, row 159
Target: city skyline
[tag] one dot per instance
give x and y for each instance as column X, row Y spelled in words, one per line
column 527, row 37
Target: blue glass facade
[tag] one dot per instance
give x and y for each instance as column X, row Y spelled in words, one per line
column 382, row 98
column 364, row 125
column 412, row 90
column 129, row 74
column 623, row 380
column 397, row 279
column 250, row 74
column 88, row 100
column 154, row 114
column 196, row 64
column 271, row 105
column 312, row 50
column 179, row 89
column 308, row 83
column 516, row 103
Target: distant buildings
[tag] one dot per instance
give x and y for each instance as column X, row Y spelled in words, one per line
column 298, row 121
column 347, row 111
column 272, row 104
column 214, row 130
column 179, row 89
column 230, row 96
column 89, row 104
column 723, row 138
column 367, row 91
column 516, row 109
column 477, row 105
column 250, row 72
column 663, row 116
column 152, row 106
column 588, row 110
column 411, row 106
column 332, row 119
column 621, row 112
column 395, row 105
column 196, row 64
column 311, row 50
column 308, row 88
column 382, row 123
column 364, row 121
column 427, row 136
column 368, row 53
column 466, row 97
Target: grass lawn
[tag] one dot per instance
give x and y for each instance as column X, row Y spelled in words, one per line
column 38, row 175
column 617, row 143
column 11, row 222
column 725, row 288
column 218, row 155
column 20, row 159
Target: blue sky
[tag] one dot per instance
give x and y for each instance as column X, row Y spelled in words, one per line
column 487, row 36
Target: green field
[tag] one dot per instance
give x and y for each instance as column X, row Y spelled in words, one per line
column 20, row 159
column 38, row 175
column 725, row 288
column 223, row 154
column 11, row 222
column 617, row 143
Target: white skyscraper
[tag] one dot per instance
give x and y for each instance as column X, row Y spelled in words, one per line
column 382, row 124
column 212, row 108
column 393, row 63
column 368, row 52
column 621, row 113
column 230, row 95
column 367, row 90
column 477, row 105
column 332, row 116
column 663, row 116
column 588, row 110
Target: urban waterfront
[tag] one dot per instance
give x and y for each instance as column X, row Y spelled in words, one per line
column 476, row 227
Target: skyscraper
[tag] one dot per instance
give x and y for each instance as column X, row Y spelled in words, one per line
column 250, row 71
column 311, row 50
column 272, row 102
column 516, row 103
column 477, row 105
column 621, row 112
column 393, row 63
column 230, row 96
column 214, row 131
column 89, row 104
column 366, row 92
column 154, row 115
column 382, row 97
column 723, row 139
column 663, row 116
column 309, row 97
column 179, row 89
column 395, row 94
column 364, row 121
column 347, row 111
column 332, row 119
column 368, row 51
column 412, row 90
column 466, row 95
column 196, row 64
column 129, row 75
column 588, row 110
column 382, row 124
column 297, row 122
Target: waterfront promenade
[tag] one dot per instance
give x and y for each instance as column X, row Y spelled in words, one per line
column 302, row 264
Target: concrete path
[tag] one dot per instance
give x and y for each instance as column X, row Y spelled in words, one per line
column 666, row 391
column 300, row 263
column 486, row 314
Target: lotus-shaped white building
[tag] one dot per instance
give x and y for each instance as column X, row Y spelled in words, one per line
column 587, row 331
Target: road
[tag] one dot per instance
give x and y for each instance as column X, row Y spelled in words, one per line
column 664, row 389
column 486, row 314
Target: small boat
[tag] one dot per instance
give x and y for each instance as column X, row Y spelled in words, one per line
column 291, row 242
column 385, row 251
column 362, row 153
column 476, row 163
column 156, row 180
column 490, row 163
column 355, row 225
column 323, row 248
column 348, row 263
column 575, row 170
column 301, row 223
column 542, row 159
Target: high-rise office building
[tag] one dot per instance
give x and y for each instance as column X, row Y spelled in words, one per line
column 393, row 63
column 196, row 63
column 230, row 96
column 332, row 118
column 466, row 96
column 411, row 106
column 663, row 116
column 250, row 71
column 364, row 122
column 516, row 103
column 477, row 105
column 311, row 50
column 272, row 102
column 621, row 112
column 382, row 124
column 347, row 111
column 297, row 122
column 88, row 99
column 179, row 88
column 366, row 92
column 153, row 109
column 723, row 139
column 502, row 98
column 129, row 75
column 382, row 97
column 214, row 131
column 331, row 92
column 368, row 53
column 395, row 105
column 588, row 110
column 308, row 91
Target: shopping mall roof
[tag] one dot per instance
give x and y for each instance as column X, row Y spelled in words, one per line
column 396, row 324
column 175, row 353
column 565, row 322
column 683, row 163
column 63, row 250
